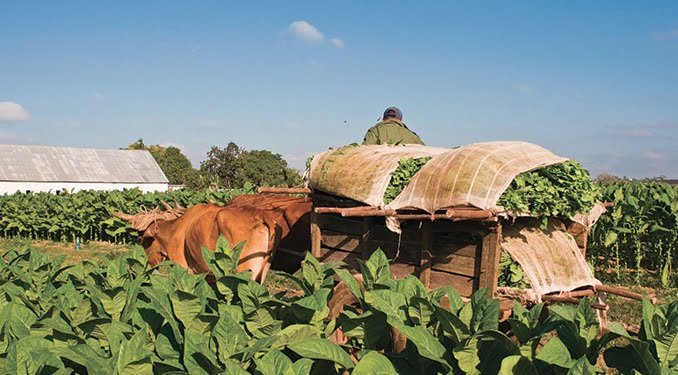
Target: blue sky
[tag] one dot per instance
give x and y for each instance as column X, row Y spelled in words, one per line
column 594, row 81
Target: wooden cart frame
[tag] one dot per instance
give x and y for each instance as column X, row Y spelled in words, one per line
column 458, row 246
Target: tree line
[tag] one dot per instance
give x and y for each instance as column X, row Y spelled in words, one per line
column 228, row 167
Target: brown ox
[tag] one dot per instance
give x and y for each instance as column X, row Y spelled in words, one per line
column 262, row 221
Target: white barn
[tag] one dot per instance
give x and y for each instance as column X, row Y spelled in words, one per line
column 45, row 168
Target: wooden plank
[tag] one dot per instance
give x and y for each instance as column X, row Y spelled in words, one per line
column 332, row 255
column 409, row 251
column 446, row 226
column 340, row 241
column 489, row 260
column 459, row 247
column 426, row 254
column 456, row 264
column 316, row 236
column 463, row 284
column 409, row 233
column 340, row 224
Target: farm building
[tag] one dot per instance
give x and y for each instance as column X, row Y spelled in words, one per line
column 46, row 168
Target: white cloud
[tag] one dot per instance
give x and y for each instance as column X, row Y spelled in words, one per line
column 306, row 32
column 10, row 111
column 666, row 35
column 337, row 42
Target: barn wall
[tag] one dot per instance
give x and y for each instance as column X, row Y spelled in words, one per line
column 11, row 187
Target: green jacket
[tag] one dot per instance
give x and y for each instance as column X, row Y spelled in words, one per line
column 391, row 131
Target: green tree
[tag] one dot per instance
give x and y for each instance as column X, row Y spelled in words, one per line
column 234, row 166
column 223, row 164
column 606, row 178
column 174, row 164
column 264, row 168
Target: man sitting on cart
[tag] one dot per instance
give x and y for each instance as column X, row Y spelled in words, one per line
column 391, row 130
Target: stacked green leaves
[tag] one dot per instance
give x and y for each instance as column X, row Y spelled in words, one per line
column 122, row 317
column 559, row 190
column 401, row 176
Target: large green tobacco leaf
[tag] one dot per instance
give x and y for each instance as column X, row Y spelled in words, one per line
column 162, row 305
column 485, row 315
column 427, row 345
column 229, row 335
column 167, row 347
column 273, row 363
column 517, row 365
column 113, row 301
column 198, row 357
column 322, row 349
column 32, row 355
column 186, row 307
column 555, row 353
column 634, row 356
column 296, row 333
column 484, row 352
column 17, row 319
column 374, row 363
column 390, row 303
column 88, row 357
column 300, row 367
column 582, row 367
column 378, row 268
column 133, row 358
column 458, row 330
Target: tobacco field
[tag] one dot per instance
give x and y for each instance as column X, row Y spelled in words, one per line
column 88, row 215
column 121, row 317
column 639, row 234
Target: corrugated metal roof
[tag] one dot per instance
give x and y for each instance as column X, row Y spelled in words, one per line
column 70, row 164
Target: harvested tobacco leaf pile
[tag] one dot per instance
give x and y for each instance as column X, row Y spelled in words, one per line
column 401, row 176
column 558, row 190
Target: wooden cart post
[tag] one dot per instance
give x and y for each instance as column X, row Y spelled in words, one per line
column 315, row 234
column 426, row 251
column 489, row 260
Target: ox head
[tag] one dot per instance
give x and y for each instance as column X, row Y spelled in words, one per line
column 146, row 223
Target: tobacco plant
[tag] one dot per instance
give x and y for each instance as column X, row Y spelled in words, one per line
column 87, row 215
column 121, row 317
column 641, row 229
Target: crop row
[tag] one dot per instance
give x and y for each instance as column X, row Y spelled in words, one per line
column 88, row 215
column 641, row 230
column 122, row 317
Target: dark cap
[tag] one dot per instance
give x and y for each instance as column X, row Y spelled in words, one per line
column 393, row 112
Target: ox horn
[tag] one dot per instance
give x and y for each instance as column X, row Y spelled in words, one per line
column 121, row 215
column 167, row 206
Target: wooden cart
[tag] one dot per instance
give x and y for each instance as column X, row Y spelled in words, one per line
column 458, row 247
